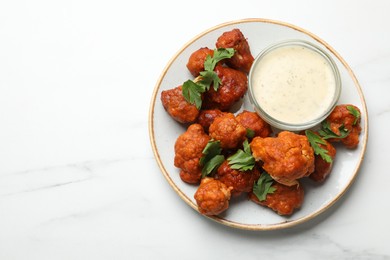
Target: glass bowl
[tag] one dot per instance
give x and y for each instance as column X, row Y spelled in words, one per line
column 294, row 85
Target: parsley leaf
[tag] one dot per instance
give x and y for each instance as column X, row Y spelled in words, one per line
column 262, row 186
column 192, row 92
column 250, row 133
column 209, row 77
column 242, row 160
column 212, row 164
column 211, row 158
column 219, row 54
column 315, row 142
column 327, row 133
column 352, row 110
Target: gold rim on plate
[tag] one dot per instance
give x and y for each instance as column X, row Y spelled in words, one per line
column 283, row 224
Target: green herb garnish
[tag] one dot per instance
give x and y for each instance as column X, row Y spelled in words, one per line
column 242, row 160
column 327, row 133
column 315, row 142
column 219, row 54
column 193, row 90
column 353, row 111
column 250, row 133
column 211, row 158
column 212, row 164
column 209, row 77
column 262, row 186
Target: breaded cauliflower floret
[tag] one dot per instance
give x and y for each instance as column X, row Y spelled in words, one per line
column 234, row 84
column 177, row 107
column 251, row 120
column 212, row 196
column 341, row 116
column 284, row 200
column 240, row 181
column 228, row 131
column 188, row 151
column 206, row 117
column 196, row 61
column 286, row 158
column 243, row 58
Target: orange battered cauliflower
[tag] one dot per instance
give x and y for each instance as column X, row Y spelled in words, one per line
column 228, row 131
column 177, row 107
column 196, row 61
column 252, row 121
column 240, row 181
column 286, row 157
column 234, row 84
column 188, row 151
column 243, row 58
column 212, row 196
column 206, row 117
column 342, row 116
column 284, row 200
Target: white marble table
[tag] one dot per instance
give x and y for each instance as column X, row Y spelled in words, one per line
column 78, row 179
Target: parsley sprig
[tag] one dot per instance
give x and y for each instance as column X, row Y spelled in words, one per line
column 192, row 92
column 263, row 186
column 211, row 158
column 193, row 89
column 315, row 142
column 250, row 133
column 353, row 111
column 219, row 54
column 326, row 132
column 242, row 160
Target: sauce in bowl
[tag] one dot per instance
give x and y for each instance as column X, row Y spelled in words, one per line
column 294, row 85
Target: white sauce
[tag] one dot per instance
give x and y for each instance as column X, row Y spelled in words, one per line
column 293, row 84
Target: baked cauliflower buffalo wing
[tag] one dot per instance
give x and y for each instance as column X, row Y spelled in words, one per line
column 228, row 131
column 240, row 181
column 242, row 59
column 286, row 158
column 212, row 196
column 284, row 200
column 188, row 151
column 343, row 116
column 196, row 61
column 233, row 87
column 253, row 122
column 177, row 107
column 206, row 117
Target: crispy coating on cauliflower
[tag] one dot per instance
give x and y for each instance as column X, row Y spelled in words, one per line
column 228, row 131
column 212, row 196
column 196, row 61
column 177, row 107
column 188, row 151
column 242, row 59
column 240, row 181
column 252, row 121
column 286, row 158
column 342, row 116
column 233, row 87
column 206, row 117
column 284, row 200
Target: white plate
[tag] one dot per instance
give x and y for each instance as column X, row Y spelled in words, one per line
column 242, row 213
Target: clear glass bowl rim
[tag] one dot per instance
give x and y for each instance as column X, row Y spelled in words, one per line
column 289, row 126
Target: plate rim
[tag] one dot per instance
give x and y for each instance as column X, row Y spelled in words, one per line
column 219, row 219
